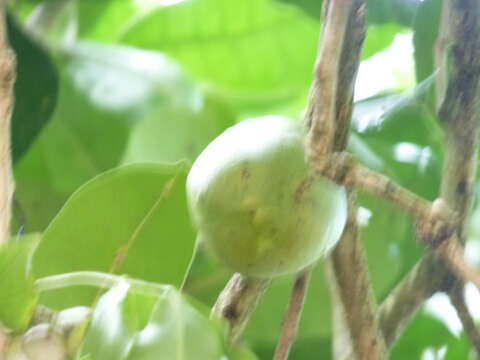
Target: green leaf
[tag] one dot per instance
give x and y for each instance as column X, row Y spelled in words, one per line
column 379, row 37
column 36, row 88
column 425, row 34
column 460, row 348
column 310, row 7
column 251, row 48
column 109, row 336
column 398, row 136
column 424, row 332
column 259, row 50
column 131, row 220
column 379, row 11
column 397, row 11
column 117, row 105
column 242, row 353
column 182, row 132
column 174, row 329
column 403, row 132
column 18, row 296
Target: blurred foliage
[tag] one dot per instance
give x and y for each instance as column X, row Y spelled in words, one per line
column 143, row 87
column 147, row 327
column 18, row 296
column 36, row 87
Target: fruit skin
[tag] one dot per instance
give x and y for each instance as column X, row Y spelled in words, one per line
column 257, row 205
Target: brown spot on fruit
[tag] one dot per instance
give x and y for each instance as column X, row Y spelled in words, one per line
column 302, row 188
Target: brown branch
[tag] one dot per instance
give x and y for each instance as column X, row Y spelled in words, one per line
column 345, row 170
column 452, row 254
column 329, row 117
column 321, row 112
column 350, row 280
column 237, row 302
column 457, row 298
column 458, row 114
column 7, row 79
column 292, row 317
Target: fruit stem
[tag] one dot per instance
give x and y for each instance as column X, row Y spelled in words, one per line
column 237, row 302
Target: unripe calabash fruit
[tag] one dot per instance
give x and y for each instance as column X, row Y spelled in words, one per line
column 257, row 205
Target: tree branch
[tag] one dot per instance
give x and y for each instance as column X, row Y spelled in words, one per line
column 237, row 302
column 343, row 169
column 329, row 117
column 7, row 79
column 457, row 298
column 458, row 114
column 452, row 254
column 292, row 317
column 349, row 274
column 321, row 110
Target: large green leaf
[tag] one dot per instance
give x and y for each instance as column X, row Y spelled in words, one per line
column 255, row 49
column 379, row 11
column 173, row 329
column 250, row 47
column 131, row 220
column 388, row 11
column 36, row 88
column 18, row 296
column 460, row 348
column 182, row 132
column 117, row 104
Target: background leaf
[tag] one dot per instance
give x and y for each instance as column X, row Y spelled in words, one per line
column 36, row 88
column 140, row 227
column 117, row 105
column 174, row 329
column 426, row 26
column 18, row 296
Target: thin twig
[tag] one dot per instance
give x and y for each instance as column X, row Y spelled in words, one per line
column 237, row 302
column 457, row 298
column 345, row 170
column 292, row 316
column 329, row 117
column 351, row 282
column 7, row 79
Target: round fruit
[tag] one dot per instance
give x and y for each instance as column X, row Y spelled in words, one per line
column 257, row 205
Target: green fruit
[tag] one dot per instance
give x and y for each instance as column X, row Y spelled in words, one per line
column 257, row 205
